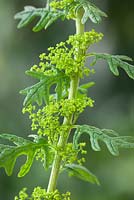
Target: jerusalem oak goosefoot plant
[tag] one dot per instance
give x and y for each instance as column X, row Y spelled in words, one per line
column 54, row 114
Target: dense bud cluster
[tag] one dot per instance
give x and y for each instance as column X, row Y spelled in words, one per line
column 69, row 56
column 68, row 154
column 61, row 4
column 71, row 155
column 41, row 194
column 48, row 119
column 83, row 41
column 69, row 6
column 75, row 106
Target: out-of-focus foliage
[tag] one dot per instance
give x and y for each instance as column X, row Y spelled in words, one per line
column 114, row 98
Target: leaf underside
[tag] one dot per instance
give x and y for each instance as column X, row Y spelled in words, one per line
column 112, row 140
column 47, row 17
column 41, row 90
column 9, row 154
column 92, row 12
column 115, row 61
column 82, row 173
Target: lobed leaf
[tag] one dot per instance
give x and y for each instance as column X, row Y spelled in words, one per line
column 82, row 173
column 48, row 152
column 36, row 93
column 9, row 154
column 112, row 140
column 47, row 17
column 90, row 12
column 41, row 90
column 115, row 61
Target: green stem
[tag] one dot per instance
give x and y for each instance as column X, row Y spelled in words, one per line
column 63, row 139
column 79, row 26
column 47, row 4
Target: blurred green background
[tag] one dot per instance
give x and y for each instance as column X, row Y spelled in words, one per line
column 114, row 98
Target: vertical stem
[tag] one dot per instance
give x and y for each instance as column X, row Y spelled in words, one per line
column 63, row 139
column 79, row 26
column 47, row 4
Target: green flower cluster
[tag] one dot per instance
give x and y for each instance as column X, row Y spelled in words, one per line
column 69, row 56
column 61, row 4
column 66, row 5
column 68, row 154
column 22, row 195
column 74, row 106
column 42, row 194
column 71, row 155
column 83, row 41
column 47, row 120
column 82, row 151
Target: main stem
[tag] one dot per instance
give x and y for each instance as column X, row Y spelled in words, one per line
column 63, row 139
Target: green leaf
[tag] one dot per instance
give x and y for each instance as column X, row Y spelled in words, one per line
column 35, row 74
column 82, row 173
column 19, row 141
column 90, row 12
column 48, row 151
column 84, row 87
column 36, row 93
column 47, row 17
column 41, row 90
column 115, row 61
column 9, row 154
column 112, row 140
